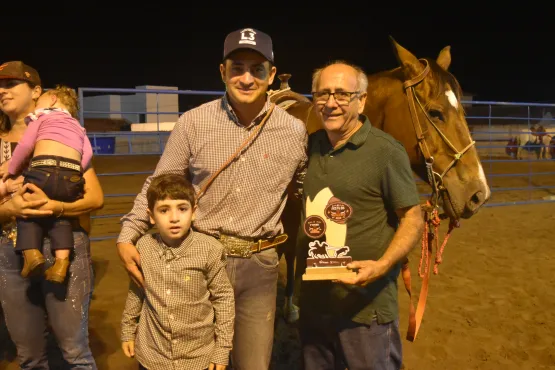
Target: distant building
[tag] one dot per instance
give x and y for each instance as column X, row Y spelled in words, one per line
column 547, row 120
column 467, row 97
column 134, row 108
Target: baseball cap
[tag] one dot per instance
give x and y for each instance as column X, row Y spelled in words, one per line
column 18, row 70
column 249, row 38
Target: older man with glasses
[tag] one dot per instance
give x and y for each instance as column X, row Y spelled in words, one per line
column 359, row 201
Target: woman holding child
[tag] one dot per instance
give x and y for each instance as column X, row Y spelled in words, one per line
column 30, row 304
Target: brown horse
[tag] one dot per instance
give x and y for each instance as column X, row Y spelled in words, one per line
column 418, row 103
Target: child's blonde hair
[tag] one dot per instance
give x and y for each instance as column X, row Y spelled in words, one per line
column 68, row 97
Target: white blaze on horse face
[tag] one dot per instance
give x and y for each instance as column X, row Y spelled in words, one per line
column 482, row 177
column 452, row 98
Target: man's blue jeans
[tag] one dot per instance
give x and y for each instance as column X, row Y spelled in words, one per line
column 254, row 282
column 31, row 305
column 335, row 344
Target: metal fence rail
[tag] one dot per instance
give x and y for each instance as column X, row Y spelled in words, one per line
column 492, row 124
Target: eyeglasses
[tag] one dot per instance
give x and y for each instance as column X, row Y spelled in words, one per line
column 341, row 97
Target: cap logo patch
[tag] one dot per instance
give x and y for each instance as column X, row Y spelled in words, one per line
column 27, row 74
column 247, row 36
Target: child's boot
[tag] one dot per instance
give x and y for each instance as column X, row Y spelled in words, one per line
column 57, row 272
column 33, row 261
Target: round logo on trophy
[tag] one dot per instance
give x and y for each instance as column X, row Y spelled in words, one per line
column 338, row 212
column 314, row 227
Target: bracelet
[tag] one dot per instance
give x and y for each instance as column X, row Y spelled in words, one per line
column 61, row 212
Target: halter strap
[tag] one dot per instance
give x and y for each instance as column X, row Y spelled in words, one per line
column 435, row 178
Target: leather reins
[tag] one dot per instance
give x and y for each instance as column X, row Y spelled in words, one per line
column 435, row 179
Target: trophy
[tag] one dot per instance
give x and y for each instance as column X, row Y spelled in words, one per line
column 327, row 261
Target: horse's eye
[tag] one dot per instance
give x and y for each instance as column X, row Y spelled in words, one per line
column 434, row 113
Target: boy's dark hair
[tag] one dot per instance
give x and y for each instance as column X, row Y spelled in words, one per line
column 170, row 186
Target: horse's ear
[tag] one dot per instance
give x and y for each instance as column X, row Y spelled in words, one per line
column 444, row 58
column 411, row 65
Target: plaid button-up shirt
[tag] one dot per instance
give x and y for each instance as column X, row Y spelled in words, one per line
column 184, row 318
column 248, row 197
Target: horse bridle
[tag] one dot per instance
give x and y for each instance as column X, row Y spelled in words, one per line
column 434, row 177
column 432, row 219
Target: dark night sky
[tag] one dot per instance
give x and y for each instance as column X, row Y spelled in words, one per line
column 494, row 56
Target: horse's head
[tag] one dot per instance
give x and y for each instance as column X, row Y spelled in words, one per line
column 446, row 145
column 443, row 152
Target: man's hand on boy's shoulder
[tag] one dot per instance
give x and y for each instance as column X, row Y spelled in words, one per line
column 216, row 366
column 128, row 348
column 131, row 260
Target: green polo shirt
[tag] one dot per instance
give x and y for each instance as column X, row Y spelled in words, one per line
column 350, row 197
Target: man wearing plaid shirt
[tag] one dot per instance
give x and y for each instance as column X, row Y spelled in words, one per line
column 243, row 205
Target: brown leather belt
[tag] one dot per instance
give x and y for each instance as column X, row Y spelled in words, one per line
column 244, row 248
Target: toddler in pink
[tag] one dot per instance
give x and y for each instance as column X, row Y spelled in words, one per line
column 53, row 154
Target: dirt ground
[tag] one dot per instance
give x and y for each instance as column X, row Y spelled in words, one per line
column 490, row 307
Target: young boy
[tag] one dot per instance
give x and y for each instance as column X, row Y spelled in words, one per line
column 184, row 317
column 52, row 154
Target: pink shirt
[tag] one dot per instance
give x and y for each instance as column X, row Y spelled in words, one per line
column 51, row 124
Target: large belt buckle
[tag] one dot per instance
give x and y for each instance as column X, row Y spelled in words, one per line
column 236, row 247
column 43, row 162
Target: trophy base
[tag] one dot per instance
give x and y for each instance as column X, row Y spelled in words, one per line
column 327, row 273
column 328, row 268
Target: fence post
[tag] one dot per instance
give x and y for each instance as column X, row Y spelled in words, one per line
column 81, row 110
column 158, row 122
column 529, row 161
